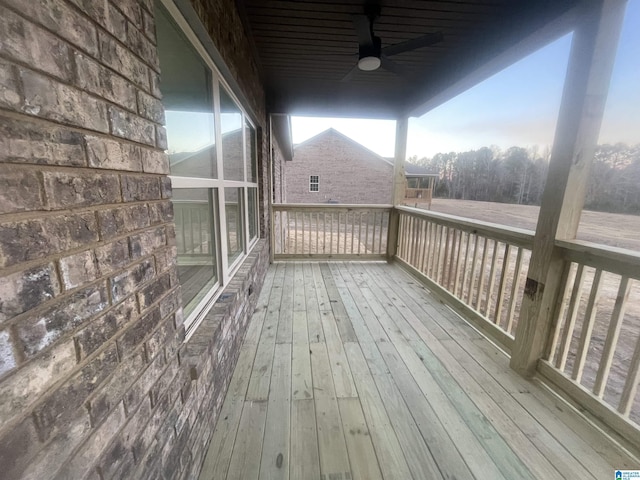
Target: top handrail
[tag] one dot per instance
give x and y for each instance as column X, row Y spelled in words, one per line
column 329, row 206
column 611, row 259
column 513, row 235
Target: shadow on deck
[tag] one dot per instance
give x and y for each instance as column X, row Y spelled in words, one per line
column 352, row 370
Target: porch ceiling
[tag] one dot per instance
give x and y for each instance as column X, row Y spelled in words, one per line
column 305, row 48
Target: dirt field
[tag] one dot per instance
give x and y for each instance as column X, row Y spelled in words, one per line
column 611, row 229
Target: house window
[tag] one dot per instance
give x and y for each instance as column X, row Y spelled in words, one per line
column 314, row 183
column 212, row 150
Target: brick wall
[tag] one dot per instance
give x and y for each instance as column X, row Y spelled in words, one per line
column 349, row 173
column 96, row 380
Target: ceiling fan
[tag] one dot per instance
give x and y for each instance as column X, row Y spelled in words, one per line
column 371, row 55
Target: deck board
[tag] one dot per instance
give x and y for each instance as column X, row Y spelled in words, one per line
column 354, row 371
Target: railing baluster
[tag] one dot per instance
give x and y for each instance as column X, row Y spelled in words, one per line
column 344, row 246
column 338, row 234
column 423, row 245
column 414, row 228
column 474, row 261
column 515, row 287
column 295, row 232
column 572, row 314
column 566, row 280
column 503, row 284
column 366, row 235
column 448, row 255
column 380, row 250
column 427, row 246
column 492, row 279
column 456, row 279
column 436, row 250
column 631, row 384
column 443, row 254
column 587, row 327
column 613, row 333
column 483, row 266
column 450, row 272
column 467, row 245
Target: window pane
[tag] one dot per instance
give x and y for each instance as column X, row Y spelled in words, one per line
column 232, row 151
column 252, row 159
column 233, row 211
column 196, row 250
column 252, row 210
column 188, row 101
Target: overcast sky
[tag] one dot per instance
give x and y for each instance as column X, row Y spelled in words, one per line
column 518, row 106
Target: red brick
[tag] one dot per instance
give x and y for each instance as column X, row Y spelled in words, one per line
column 121, row 220
column 19, row 41
column 26, row 141
column 62, row 20
column 83, row 461
column 7, row 355
column 19, row 390
column 129, row 281
column 17, row 446
column 103, row 152
column 125, row 124
column 47, row 98
column 78, row 269
column 154, row 291
column 20, row 189
column 147, row 242
column 112, row 256
column 10, row 96
column 100, row 80
column 58, row 409
column 113, row 390
column 24, row 290
column 66, row 190
column 140, row 187
column 123, row 61
column 40, row 331
column 96, row 333
column 24, row 240
column 137, row 333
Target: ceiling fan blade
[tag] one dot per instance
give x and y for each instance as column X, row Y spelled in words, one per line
column 364, row 31
column 393, row 67
column 350, row 74
column 423, row 41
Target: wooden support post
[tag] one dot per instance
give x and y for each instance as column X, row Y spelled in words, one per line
column 399, row 185
column 593, row 50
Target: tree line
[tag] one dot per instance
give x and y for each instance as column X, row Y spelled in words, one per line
column 517, row 175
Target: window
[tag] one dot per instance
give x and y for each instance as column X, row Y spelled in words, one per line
column 212, row 148
column 314, row 183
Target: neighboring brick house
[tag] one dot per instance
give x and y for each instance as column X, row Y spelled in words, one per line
column 116, row 345
column 332, row 168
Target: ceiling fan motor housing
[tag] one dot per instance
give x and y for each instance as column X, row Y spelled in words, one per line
column 369, row 55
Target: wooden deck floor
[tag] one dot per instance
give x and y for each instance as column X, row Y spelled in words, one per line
column 354, row 371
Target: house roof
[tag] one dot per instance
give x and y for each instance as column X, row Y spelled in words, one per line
column 305, row 48
column 335, row 133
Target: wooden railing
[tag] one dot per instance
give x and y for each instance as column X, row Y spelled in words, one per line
column 193, row 228
column 594, row 350
column 478, row 267
column 330, row 231
column 418, row 195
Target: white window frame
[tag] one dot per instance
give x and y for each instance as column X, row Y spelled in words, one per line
column 225, row 271
column 316, row 183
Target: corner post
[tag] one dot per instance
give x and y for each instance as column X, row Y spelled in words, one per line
column 398, row 192
column 593, row 51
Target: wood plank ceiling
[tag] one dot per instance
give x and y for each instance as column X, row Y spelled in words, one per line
column 306, row 47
